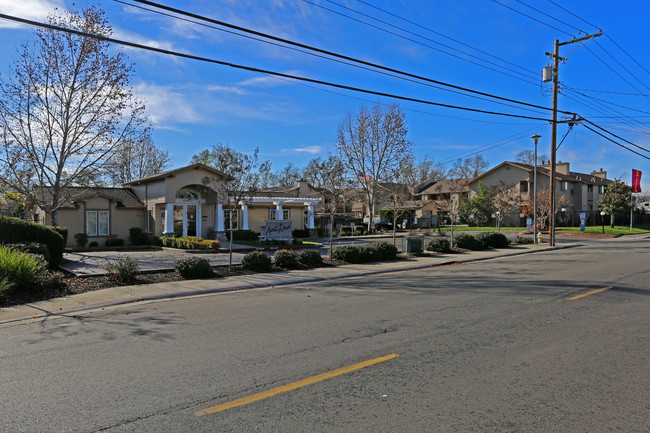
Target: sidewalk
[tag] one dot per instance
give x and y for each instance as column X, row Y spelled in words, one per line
column 146, row 292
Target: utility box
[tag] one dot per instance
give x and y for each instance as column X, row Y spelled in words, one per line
column 412, row 244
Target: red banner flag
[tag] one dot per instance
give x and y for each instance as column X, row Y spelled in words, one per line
column 636, row 180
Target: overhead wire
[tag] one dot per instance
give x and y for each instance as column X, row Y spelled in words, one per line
column 445, row 36
column 259, row 70
column 331, row 53
column 419, row 36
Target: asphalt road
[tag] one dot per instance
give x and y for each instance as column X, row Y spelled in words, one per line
column 489, row 346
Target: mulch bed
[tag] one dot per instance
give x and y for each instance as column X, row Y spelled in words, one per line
column 75, row 285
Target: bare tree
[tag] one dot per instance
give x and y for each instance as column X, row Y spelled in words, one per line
column 66, row 108
column 137, row 159
column 528, row 157
column 239, row 183
column 371, row 143
column 287, row 175
column 543, row 206
column 504, row 202
column 469, row 168
column 428, row 170
column 399, row 189
column 228, row 160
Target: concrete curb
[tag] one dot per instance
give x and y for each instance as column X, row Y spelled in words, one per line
column 386, row 269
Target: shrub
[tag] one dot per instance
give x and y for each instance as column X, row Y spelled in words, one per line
column 466, row 242
column 285, row 259
column 81, row 239
column 345, row 231
column 382, row 250
column 321, row 231
column 256, row 261
column 440, row 245
column 124, row 270
column 210, row 245
column 242, row 235
column 524, row 240
column 492, row 240
column 32, row 248
column 157, row 241
column 138, row 237
column 20, row 270
column 16, row 230
column 360, row 231
column 93, row 244
column 114, row 241
column 347, row 253
column 300, row 233
column 310, row 258
column 63, row 231
column 193, row 267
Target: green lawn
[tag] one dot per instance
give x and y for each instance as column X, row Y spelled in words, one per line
column 590, row 230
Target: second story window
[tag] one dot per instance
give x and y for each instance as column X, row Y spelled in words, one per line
column 523, row 186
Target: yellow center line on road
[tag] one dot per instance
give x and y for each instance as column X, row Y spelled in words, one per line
column 591, row 292
column 294, row 385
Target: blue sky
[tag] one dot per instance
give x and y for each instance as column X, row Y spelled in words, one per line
column 193, row 105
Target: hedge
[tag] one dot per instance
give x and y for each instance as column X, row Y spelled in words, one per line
column 374, row 252
column 242, row 235
column 466, row 242
column 440, row 245
column 15, row 230
column 489, row 240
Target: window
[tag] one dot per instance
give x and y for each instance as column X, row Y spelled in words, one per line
column 590, row 188
column 523, row 186
column 564, row 186
column 601, row 189
column 226, row 218
column 97, row 222
column 286, row 214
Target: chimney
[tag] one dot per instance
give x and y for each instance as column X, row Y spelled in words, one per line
column 562, row 167
column 602, row 174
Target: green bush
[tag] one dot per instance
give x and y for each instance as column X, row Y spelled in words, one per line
column 13, row 230
column 193, row 267
column 348, row 253
column 300, row 233
column 345, row 231
column 321, row 231
column 440, row 245
column 285, row 259
column 32, row 248
column 93, row 244
column 256, row 261
column 360, row 231
column 466, row 242
column 381, row 250
column 113, row 241
column 20, row 270
column 124, row 270
column 524, row 240
column 138, row 237
column 81, row 239
column 489, row 240
column 63, row 231
column 242, row 235
column 310, row 258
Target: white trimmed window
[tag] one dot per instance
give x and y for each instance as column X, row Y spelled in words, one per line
column 286, row 214
column 97, row 223
column 227, row 219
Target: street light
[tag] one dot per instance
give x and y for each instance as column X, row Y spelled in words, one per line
column 535, row 138
column 602, row 219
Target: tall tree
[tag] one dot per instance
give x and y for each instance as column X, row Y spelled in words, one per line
column 543, row 206
column 372, row 143
column 427, row 169
column 66, row 108
column 527, row 156
column 399, row 190
column 137, row 159
column 617, row 198
column 469, row 167
column 241, row 181
column 288, row 175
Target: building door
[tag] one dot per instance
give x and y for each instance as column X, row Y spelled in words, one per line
column 191, row 220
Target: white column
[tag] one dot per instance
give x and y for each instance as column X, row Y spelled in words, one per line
column 310, row 215
column 169, row 219
column 278, row 210
column 184, row 220
column 244, row 215
column 218, row 218
column 198, row 220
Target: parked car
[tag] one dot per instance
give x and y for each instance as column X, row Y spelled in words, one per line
column 383, row 225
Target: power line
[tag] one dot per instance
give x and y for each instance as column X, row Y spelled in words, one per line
column 616, row 143
column 621, row 65
column 551, row 16
column 614, row 135
column 263, row 71
column 568, row 11
column 419, row 36
column 532, row 18
column 307, row 52
column 613, row 70
column 445, row 36
column 607, row 91
column 330, row 53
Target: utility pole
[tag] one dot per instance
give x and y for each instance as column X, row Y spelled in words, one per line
column 556, row 68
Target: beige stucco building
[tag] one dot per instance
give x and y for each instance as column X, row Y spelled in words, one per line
column 179, row 201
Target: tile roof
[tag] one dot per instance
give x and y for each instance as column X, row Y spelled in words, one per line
column 125, row 197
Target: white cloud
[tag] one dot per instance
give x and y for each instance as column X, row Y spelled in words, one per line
column 167, row 107
column 226, row 89
column 36, row 10
column 309, row 149
column 268, row 80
